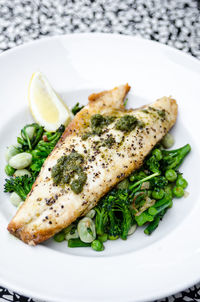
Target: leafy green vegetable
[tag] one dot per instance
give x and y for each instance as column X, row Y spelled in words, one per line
column 21, row 185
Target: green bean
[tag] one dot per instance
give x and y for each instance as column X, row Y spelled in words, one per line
column 97, row 245
column 171, row 175
column 77, row 243
column 9, row 170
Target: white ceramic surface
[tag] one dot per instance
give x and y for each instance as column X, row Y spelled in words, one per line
column 142, row 268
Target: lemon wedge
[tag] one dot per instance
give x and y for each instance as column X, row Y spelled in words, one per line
column 46, row 106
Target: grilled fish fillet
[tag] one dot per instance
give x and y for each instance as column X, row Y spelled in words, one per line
column 49, row 208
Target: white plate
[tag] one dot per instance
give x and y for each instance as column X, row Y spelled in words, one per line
column 141, row 268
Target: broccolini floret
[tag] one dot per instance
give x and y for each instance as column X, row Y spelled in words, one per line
column 20, row 185
column 172, row 159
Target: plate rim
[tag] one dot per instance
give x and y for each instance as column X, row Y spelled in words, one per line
column 98, row 34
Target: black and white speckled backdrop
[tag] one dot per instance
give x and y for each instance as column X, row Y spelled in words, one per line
column 173, row 22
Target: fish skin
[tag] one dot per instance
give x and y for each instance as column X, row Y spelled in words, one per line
column 48, row 208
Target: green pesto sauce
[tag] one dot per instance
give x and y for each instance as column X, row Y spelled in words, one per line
column 126, row 123
column 109, row 142
column 97, row 123
column 67, row 167
column 145, row 111
column 86, row 135
column 160, row 112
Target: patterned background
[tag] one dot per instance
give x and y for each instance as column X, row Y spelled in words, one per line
column 173, row 22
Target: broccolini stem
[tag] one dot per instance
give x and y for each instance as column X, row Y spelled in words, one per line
column 143, row 180
column 100, row 219
column 154, row 224
column 157, row 210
